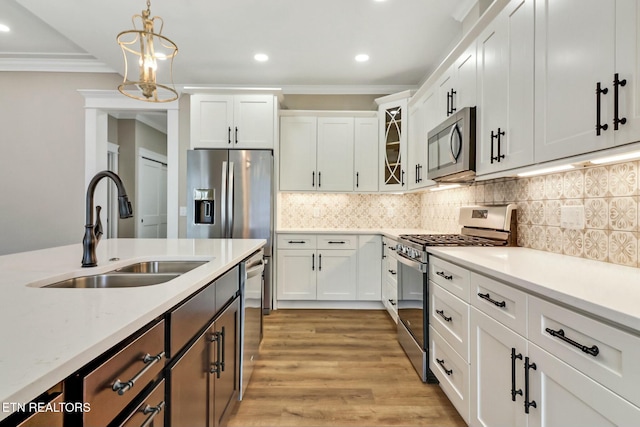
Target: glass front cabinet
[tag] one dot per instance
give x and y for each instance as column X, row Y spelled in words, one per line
column 392, row 114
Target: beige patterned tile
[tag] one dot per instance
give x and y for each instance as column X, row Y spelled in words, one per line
column 537, row 212
column 538, row 237
column 522, row 189
column 596, row 213
column 524, row 236
column 524, row 213
column 573, row 184
column 510, row 191
column 536, row 188
column 488, row 192
column 499, row 192
column 623, row 179
column 623, row 214
column 596, row 182
column 552, row 212
column 596, row 245
column 623, row 248
column 573, row 242
column 553, row 240
column 553, row 186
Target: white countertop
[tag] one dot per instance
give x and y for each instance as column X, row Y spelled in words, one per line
column 47, row 334
column 388, row 232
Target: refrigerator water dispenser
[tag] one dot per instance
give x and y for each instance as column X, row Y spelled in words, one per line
column 204, row 205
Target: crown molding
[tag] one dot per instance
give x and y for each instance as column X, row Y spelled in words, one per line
column 55, row 65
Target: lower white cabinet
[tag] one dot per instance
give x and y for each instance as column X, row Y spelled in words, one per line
column 390, row 277
column 328, row 267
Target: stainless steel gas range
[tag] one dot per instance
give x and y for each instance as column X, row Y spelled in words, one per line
column 481, row 226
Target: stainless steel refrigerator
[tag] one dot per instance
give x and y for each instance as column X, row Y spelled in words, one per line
column 230, row 195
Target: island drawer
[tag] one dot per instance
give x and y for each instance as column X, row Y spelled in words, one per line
column 227, row 287
column 451, row 277
column 602, row 352
column 332, row 241
column 501, row 302
column 110, row 387
column 297, row 241
column 189, row 318
column 151, row 411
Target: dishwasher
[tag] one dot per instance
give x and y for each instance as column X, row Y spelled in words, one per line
column 251, row 290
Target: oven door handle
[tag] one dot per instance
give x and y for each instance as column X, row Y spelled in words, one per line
column 417, row 265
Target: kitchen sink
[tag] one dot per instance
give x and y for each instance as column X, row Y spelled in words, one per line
column 114, row 280
column 154, row 267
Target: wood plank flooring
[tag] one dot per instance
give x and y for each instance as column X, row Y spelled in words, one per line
column 337, row 368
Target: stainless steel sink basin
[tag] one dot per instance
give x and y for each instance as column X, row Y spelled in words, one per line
column 114, row 280
column 161, row 267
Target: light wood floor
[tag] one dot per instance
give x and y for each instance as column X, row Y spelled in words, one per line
column 337, row 368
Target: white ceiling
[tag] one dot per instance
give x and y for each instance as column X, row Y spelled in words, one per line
column 309, row 43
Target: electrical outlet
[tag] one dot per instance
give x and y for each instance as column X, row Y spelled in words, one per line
column 572, row 217
column 183, row 211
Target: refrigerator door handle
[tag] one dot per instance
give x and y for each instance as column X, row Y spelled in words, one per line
column 223, row 200
column 230, row 201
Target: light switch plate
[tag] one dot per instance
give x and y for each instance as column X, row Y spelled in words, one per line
column 183, row 211
column 572, row 217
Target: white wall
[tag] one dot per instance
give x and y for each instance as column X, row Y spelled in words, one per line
column 42, row 158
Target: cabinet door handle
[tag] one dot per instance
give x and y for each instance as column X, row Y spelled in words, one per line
column 616, row 102
column 453, row 109
column 441, row 363
column 443, row 275
column 236, row 134
column 402, row 180
column 383, row 245
column 222, row 344
column 514, row 356
column 419, row 173
column 357, row 179
column 448, row 104
column 599, row 92
column 319, row 262
column 229, row 134
column 313, row 262
column 121, row 387
column 441, row 313
column 319, row 179
column 593, row 350
column 216, row 365
column 492, row 301
column 496, row 136
column 313, row 178
column 527, row 402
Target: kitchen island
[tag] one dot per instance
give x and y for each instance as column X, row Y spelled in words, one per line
column 48, row 334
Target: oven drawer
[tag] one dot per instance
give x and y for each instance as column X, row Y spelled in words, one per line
column 332, row 241
column 296, row 241
column 614, row 362
column 125, row 365
column 501, row 302
column 451, row 277
column 452, row 372
column 449, row 315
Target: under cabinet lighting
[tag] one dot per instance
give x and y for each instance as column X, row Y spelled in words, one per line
column 617, row 158
column 553, row 169
column 444, row 187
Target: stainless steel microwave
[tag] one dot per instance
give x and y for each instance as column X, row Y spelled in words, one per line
column 452, row 148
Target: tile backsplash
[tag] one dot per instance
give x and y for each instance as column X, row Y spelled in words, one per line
column 609, row 194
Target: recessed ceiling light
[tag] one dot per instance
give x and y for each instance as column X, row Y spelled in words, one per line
column 363, row 57
column 4, row 28
column 261, row 57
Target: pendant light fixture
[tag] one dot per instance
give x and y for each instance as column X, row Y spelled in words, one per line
column 148, row 59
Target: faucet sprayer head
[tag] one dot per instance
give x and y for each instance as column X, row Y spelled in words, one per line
column 125, row 207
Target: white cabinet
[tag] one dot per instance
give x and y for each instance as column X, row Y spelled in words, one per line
column 327, row 267
column 335, row 148
column 580, row 46
column 456, row 89
column 421, row 120
column 369, row 268
column 505, row 90
column 366, row 154
column 390, row 277
column 393, row 144
column 232, row 121
column 327, row 153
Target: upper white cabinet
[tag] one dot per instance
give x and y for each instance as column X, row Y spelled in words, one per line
column 586, row 59
column 232, row 121
column 421, row 120
column 329, row 154
column 505, row 90
column 393, row 144
column 456, row 89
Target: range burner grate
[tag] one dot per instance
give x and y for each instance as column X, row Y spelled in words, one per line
column 450, row 240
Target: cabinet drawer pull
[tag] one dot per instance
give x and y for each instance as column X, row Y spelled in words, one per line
column 593, row 350
column 149, row 361
column 514, row 356
column 441, row 363
column 393, row 272
column 301, row 242
column 527, row 402
column 443, row 275
column 153, row 410
column 337, row 242
column 441, row 313
column 392, row 302
column 492, row 301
